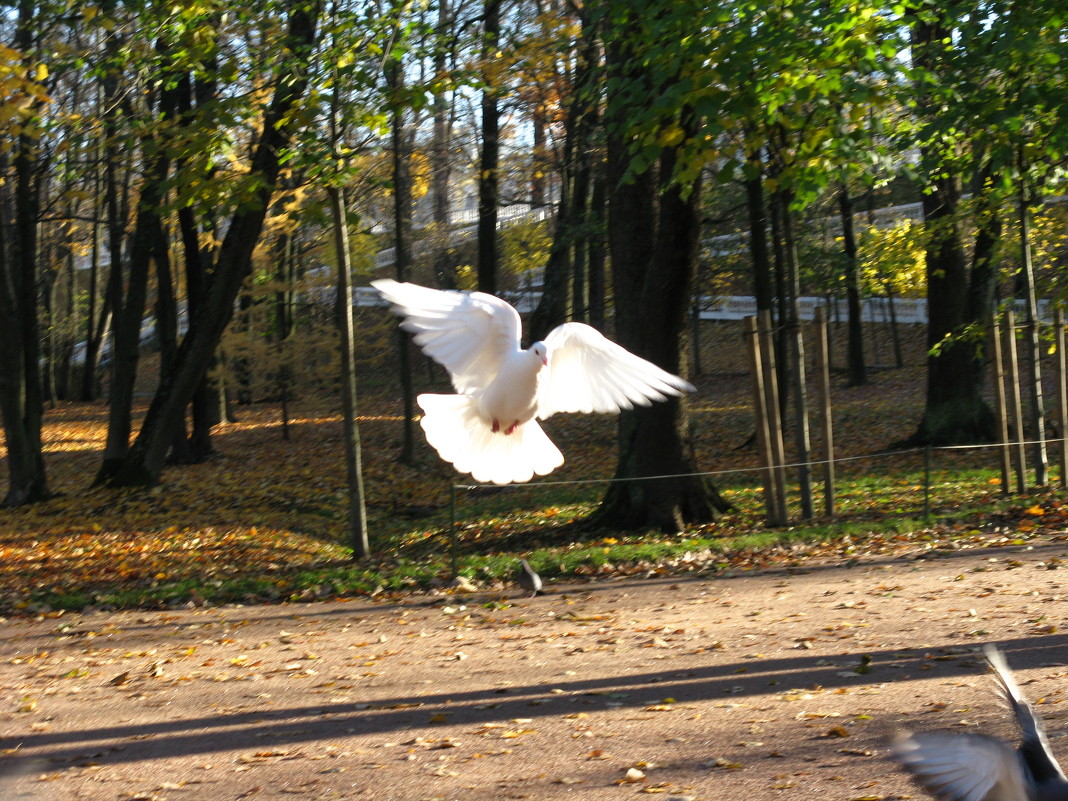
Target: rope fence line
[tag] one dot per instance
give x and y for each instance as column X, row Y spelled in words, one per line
column 753, row 469
column 927, row 452
column 770, row 424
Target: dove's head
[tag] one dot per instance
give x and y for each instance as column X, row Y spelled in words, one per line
column 542, row 352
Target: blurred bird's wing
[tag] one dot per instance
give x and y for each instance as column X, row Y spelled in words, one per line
column 468, row 333
column 1034, row 748
column 964, row 767
column 589, row 373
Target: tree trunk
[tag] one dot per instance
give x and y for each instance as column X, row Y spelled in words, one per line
column 756, row 210
column 440, row 161
column 856, row 371
column 488, row 189
column 402, row 239
column 20, row 374
column 653, row 232
column 651, row 320
column 167, row 326
column 129, row 316
column 353, row 451
column 1036, row 403
column 343, row 254
column 208, row 404
column 959, row 300
column 796, row 351
column 555, row 300
column 782, row 306
column 94, row 330
column 566, row 286
column 144, row 462
column 596, row 244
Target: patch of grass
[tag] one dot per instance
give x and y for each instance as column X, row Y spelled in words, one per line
column 227, row 531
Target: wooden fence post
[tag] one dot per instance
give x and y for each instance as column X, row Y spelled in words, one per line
column 771, row 388
column 1017, row 406
column 1062, row 390
column 823, row 379
column 774, row 515
column 999, row 399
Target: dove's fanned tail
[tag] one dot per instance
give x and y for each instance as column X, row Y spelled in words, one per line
column 459, row 435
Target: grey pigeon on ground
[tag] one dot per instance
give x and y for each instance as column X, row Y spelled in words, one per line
column 975, row 767
column 528, row 579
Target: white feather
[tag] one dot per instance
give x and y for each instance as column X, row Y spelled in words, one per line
column 489, row 429
column 469, row 334
column 457, row 432
column 590, row 373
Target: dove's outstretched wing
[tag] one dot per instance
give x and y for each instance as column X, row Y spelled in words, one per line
column 1034, row 748
column 468, row 333
column 589, row 373
column 964, row 767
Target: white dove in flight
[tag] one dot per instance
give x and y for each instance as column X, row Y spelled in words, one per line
column 488, row 429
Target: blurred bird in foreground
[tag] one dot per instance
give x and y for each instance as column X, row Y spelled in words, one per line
column 975, row 767
column 488, row 429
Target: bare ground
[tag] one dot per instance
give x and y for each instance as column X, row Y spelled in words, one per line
column 710, row 689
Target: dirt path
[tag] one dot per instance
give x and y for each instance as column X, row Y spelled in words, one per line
column 712, row 688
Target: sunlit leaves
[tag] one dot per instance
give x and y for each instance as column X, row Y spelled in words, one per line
column 22, row 93
column 751, row 70
column 893, row 261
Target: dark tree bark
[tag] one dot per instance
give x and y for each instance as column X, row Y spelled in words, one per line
column 757, row 213
column 795, row 372
column 1036, row 417
column 130, row 312
column 196, row 96
column 959, row 297
column 856, row 370
column 488, row 186
column 20, row 374
column 144, row 461
column 285, row 298
column 597, row 246
column 653, row 234
column 95, row 324
column 440, row 161
column 400, row 138
column 555, row 300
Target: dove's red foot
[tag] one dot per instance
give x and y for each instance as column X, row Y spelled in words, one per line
column 496, row 427
column 511, row 429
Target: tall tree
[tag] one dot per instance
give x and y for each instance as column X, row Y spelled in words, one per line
column 401, row 147
column 489, row 158
column 129, row 286
column 653, row 233
column 959, row 295
column 144, row 461
column 572, row 284
column 440, row 157
column 21, row 399
column 855, row 368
